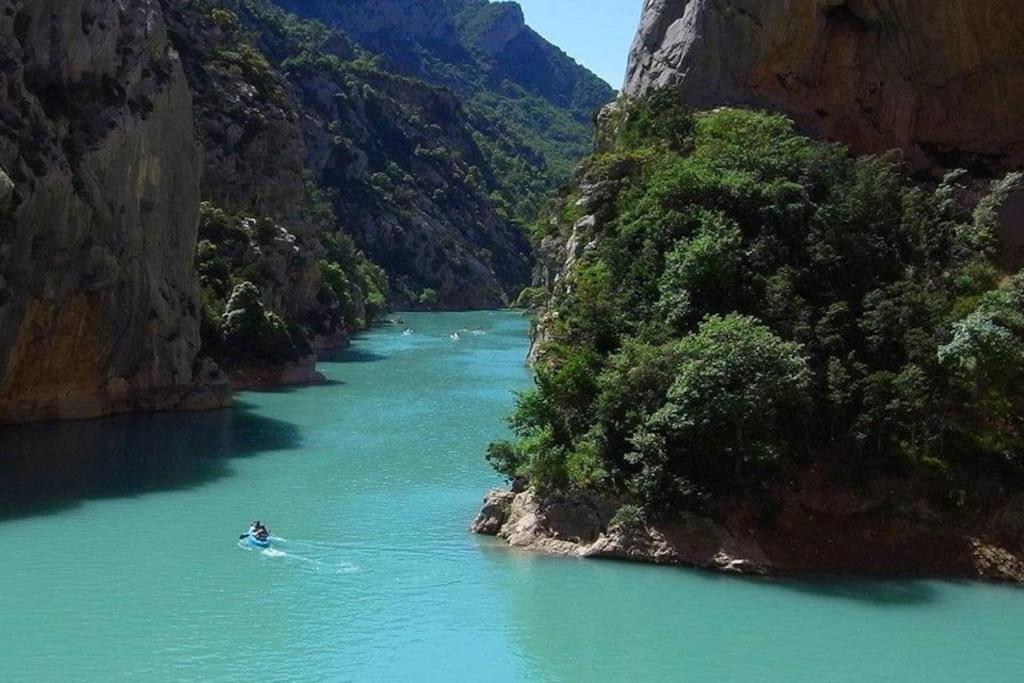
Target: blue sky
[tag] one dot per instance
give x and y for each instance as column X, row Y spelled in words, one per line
column 597, row 33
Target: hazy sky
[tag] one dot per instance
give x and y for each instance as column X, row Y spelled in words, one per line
column 597, row 33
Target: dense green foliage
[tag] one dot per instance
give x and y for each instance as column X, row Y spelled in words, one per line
column 359, row 285
column 429, row 191
column 243, row 262
column 529, row 103
column 257, row 335
column 755, row 301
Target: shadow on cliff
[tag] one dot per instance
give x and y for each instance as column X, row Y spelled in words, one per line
column 47, row 468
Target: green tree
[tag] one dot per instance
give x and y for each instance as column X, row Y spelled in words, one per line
column 738, row 390
column 704, row 267
column 428, row 298
column 253, row 332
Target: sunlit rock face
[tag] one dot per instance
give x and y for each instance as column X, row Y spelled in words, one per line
column 943, row 81
column 98, row 213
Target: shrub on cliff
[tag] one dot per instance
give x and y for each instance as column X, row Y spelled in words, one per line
column 428, row 298
column 252, row 333
column 237, row 248
column 366, row 281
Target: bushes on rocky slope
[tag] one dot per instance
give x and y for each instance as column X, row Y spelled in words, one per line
column 284, row 104
column 743, row 301
column 250, row 333
column 237, row 249
column 530, row 105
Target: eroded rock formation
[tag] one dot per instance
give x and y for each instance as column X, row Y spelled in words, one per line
column 101, row 168
column 818, row 530
column 943, row 81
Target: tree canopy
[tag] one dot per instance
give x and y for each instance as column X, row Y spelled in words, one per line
column 752, row 300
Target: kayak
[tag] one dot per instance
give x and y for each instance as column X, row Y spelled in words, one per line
column 255, row 542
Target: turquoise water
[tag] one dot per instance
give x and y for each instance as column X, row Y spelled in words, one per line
column 119, row 557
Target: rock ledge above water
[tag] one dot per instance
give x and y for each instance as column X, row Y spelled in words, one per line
column 801, row 540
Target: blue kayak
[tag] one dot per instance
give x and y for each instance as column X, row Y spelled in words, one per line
column 255, row 542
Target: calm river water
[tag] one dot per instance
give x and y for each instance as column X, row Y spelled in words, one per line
column 120, row 556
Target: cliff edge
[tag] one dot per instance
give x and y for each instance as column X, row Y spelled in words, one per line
column 943, row 81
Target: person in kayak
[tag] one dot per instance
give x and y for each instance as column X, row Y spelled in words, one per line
column 258, row 531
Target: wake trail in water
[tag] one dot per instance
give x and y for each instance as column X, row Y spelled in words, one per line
column 303, row 554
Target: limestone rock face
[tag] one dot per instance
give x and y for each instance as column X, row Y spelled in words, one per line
column 98, row 213
column 507, row 24
column 816, row 532
column 943, row 81
column 477, row 37
column 580, row 525
column 494, row 514
column 395, row 155
column 379, row 22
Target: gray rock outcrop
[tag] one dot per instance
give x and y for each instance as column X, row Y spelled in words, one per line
column 943, row 81
column 100, row 194
column 847, row 534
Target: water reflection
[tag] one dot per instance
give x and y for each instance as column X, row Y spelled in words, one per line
column 351, row 355
column 48, row 467
column 664, row 623
column 873, row 591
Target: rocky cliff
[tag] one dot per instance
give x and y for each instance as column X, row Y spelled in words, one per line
column 943, row 81
column 99, row 299
column 191, row 179
column 261, row 219
column 306, row 130
column 467, row 45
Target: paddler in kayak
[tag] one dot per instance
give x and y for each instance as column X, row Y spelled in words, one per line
column 258, row 531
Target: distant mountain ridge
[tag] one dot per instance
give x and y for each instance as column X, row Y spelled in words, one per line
column 512, row 79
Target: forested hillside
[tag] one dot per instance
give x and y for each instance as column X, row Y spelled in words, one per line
column 530, row 104
column 739, row 322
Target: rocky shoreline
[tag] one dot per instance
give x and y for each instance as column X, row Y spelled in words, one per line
column 116, row 397
column 844, row 543
column 212, row 389
column 583, row 527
